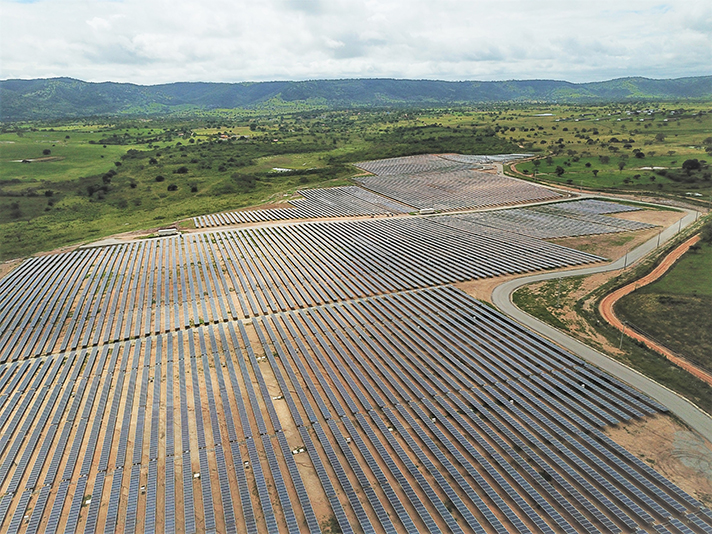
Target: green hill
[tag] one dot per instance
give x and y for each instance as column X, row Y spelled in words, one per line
column 65, row 97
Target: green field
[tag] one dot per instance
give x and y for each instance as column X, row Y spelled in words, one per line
column 677, row 309
column 106, row 176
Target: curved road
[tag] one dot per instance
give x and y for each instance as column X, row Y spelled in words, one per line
column 606, row 309
column 695, row 418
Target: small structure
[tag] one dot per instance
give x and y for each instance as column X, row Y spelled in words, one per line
column 163, row 232
column 427, row 211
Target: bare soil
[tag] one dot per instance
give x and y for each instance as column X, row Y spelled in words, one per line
column 671, row 449
column 7, row 266
column 609, row 246
column 482, row 289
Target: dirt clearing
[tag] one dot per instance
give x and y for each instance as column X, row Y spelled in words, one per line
column 678, row 454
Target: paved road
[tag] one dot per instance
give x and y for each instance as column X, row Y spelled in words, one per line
column 682, row 408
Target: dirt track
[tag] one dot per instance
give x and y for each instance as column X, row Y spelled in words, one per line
column 606, row 310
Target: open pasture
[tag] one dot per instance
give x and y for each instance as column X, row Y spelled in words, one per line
column 70, row 156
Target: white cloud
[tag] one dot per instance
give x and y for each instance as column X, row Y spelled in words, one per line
column 157, row 41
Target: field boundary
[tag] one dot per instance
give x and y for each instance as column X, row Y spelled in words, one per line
column 606, row 305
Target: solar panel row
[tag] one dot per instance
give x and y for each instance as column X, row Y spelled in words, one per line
column 349, row 201
column 227, row 275
column 430, row 411
column 558, row 220
column 456, row 188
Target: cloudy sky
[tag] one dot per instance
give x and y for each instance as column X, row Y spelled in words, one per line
column 159, row 41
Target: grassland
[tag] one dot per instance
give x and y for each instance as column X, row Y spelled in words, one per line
column 677, row 309
column 106, row 176
column 622, row 150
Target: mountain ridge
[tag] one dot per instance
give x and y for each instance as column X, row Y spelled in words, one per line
column 56, row 98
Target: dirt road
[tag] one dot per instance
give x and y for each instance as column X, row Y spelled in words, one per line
column 606, row 310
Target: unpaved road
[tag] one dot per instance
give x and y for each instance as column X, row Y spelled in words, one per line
column 606, row 310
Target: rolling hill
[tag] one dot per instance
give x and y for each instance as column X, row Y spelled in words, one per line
column 56, row 98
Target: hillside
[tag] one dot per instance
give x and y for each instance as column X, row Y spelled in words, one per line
column 65, row 97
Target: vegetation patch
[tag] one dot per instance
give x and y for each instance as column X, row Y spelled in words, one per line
column 90, row 178
column 676, row 310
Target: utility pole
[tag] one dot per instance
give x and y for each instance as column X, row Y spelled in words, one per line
column 659, row 233
column 620, row 345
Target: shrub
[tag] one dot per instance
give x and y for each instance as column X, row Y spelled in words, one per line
column 159, row 178
column 173, row 187
column 245, row 182
column 706, row 232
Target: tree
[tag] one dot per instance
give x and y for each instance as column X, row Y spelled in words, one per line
column 595, row 173
column 660, row 137
column 46, row 151
column 691, row 165
column 559, row 170
column 621, row 165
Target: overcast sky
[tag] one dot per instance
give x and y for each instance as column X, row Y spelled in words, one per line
column 159, row 41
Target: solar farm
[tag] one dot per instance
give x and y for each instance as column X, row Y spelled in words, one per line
column 315, row 377
column 443, row 182
column 456, row 189
column 566, row 219
column 348, row 201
